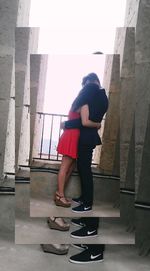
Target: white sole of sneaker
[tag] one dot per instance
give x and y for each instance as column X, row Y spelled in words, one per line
column 81, row 212
column 78, row 262
column 80, row 248
column 77, row 224
column 82, row 237
column 74, row 202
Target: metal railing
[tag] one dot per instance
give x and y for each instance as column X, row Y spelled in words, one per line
column 50, row 135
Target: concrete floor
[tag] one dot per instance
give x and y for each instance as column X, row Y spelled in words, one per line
column 43, row 186
column 31, row 257
column 36, row 231
column 46, row 207
column 23, row 172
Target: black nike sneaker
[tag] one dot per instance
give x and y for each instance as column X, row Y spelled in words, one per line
column 84, row 233
column 87, row 256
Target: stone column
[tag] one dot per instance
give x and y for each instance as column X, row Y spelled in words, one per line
column 142, row 127
column 23, row 13
column 124, row 137
column 111, row 129
column 142, row 71
column 138, row 16
column 132, row 7
column 22, row 97
column 125, row 45
column 8, row 19
column 26, row 43
column 143, row 197
column 38, row 69
column 8, row 22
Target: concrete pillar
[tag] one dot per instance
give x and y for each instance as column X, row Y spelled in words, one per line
column 13, row 13
column 125, row 45
column 26, row 43
column 138, row 16
column 23, row 13
column 8, row 22
column 38, row 69
column 132, row 7
column 22, row 97
column 124, row 143
column 8, row 19
column 130, row 169
column 143, row 196
column 142, row 126
column 7, row 111
column 142, row 71
column 144, row 184
column 111, row 128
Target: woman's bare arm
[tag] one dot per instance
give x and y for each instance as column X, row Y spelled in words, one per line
column 84, row 112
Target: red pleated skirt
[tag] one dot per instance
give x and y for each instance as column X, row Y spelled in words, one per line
column 68, row 142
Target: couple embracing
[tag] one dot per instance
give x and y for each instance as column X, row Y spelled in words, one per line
column 78, row 140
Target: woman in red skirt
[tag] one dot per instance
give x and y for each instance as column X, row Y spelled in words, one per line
column 68, row 147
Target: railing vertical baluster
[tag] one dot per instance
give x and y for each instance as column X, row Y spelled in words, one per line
column 50, row 139
column 49, row 155
column 42, row 136
column 60, row 120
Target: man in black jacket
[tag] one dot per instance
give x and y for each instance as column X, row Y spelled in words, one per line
column 95, row 97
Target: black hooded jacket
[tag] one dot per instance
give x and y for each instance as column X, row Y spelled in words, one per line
column 97, row 101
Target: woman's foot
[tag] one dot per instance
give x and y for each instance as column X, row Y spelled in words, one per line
column 69, row 200
column 60, row 200
column 58, row 223
column 58, row 249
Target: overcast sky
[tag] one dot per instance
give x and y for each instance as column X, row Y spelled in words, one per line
column 70, row 31
column 77, row 26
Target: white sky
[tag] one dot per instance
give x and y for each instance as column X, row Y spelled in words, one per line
column 64, row 75
column 70, row 31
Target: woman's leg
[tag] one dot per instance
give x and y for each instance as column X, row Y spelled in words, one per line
column 71, row 168
column 64, row 174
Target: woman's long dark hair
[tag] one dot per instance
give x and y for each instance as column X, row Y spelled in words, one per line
column 90, row 77
column 74, row 106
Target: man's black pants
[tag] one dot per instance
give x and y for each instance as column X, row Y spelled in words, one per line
column 96, row 248
column 84, row 168
column 92, row 223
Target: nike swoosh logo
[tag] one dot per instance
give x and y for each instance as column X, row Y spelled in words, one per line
column 86, row 208
column 90, row 232
column 94, row 257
